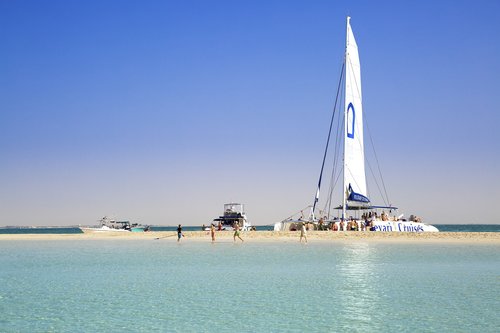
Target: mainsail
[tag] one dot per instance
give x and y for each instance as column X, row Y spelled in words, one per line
column 354, row 156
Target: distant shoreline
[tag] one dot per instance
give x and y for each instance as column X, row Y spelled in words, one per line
column 272, row 236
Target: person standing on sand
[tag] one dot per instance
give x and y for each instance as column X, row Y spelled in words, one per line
column 303, row 232
column 212, row 232
column 237, row 232
column 179, row 233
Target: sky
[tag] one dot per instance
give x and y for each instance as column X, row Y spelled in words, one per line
column 160, row 112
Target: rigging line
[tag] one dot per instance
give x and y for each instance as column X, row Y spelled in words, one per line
column 328, row 140
column 376, row 159
column 336, row 180
column 341, row 139
column 300, row 211
column 333, row 181
column 336, row 154
column 378, row 186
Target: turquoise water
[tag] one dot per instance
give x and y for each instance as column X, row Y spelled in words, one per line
column 163, row 286
column 75, row 230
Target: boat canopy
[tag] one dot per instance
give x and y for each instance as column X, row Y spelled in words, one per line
column 365, row 207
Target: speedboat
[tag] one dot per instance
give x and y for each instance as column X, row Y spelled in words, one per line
column 107, row 224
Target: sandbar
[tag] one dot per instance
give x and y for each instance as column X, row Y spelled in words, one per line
column 274, row 236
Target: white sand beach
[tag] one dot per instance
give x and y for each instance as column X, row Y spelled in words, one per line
column 273, row 236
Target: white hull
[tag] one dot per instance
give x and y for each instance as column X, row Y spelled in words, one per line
column 381, row 226
column 110, row 225
column 102, row 229
column 403, row 226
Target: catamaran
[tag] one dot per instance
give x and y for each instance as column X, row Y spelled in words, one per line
column 356, row 212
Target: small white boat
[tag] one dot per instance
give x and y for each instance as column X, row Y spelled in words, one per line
column 107, row 224
column 356, row 212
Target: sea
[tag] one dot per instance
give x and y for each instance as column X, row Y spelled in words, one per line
column 76, row 230
column 160, row 285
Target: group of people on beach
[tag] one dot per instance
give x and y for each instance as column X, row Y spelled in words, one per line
column 236, row 228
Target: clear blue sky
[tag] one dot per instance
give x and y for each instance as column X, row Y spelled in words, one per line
column 162, row 111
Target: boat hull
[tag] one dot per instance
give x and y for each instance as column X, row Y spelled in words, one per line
column 403, row 226
column 102, row 229
column 380, row 226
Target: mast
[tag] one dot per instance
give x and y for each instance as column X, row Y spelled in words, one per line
column 344, row 197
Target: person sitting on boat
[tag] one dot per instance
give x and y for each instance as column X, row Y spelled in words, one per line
column 335, row 227
column 384, row 216
column 368, row 224
column 354, row 225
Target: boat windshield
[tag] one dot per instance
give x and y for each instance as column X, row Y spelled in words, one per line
column 233, row 208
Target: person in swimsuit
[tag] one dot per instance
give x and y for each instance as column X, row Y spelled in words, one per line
column 303, row 232
column 212, row 232
column 179, row 232
column 237, row 232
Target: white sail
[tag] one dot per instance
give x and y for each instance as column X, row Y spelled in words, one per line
column 354, row 156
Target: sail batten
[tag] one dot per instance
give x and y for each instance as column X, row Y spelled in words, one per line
column 354, row 159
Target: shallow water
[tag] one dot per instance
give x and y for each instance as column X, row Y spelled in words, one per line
column 75, row 230
column 163, row 286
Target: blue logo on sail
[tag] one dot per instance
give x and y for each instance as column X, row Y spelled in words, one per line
column 353, row 196
column 350, row 117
